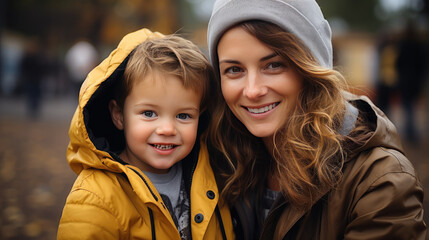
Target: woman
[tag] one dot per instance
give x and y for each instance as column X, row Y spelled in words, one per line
column 297, row 156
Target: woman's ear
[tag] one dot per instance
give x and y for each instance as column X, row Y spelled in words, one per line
column 116, row 114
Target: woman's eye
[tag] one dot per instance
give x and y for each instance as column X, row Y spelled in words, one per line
column 232, row 70
column 183, row 116
column 275, row 65
column 149, row 114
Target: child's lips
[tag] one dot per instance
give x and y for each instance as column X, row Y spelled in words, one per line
column 164, row 148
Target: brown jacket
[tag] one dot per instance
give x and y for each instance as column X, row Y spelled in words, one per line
column 379, row 196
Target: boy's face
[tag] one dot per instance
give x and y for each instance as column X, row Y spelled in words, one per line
column 160, row 121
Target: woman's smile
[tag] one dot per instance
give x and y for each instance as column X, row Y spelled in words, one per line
column 263, row 109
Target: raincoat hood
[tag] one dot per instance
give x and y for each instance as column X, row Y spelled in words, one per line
column 95, row 142
column 385, row 133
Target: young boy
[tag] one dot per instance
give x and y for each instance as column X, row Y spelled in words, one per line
column 134, row 143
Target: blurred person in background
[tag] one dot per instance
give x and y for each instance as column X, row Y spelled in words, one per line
column 411, row 66
column 33, row 71
column 387, row 77
column 79, row 60
column 296, row 155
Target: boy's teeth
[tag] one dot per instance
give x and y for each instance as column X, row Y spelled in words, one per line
column 262, row 109
column 163, row 147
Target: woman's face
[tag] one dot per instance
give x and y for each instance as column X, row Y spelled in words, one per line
column 258, row 85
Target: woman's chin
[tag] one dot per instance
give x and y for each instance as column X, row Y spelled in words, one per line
column 261, row 132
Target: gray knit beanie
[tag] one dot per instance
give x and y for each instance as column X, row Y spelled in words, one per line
column 303, row 18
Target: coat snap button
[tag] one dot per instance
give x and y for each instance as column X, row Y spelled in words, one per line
column 199, row 218
column 210, row 194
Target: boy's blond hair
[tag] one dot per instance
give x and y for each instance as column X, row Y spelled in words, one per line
column 168, row 55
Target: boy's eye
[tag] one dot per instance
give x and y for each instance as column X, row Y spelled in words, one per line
column 149, row 114
column 183, row 116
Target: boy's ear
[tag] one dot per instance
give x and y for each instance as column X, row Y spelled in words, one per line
column 116, row 114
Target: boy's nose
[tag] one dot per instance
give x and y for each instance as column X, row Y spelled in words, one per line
column 167, row 128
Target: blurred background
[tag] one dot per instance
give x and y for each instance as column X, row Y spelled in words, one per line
column 47, row 47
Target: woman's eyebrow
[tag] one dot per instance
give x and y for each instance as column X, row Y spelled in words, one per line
column 229, row 61
column 269, row 57
column 272, row 55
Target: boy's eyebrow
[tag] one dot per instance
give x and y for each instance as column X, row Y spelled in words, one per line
column 272, row 55
column 180, row 109
column 146, row 104
column 190, row 108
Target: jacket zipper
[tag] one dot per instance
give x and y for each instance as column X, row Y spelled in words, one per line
column 147, row 185
column 152, row 224
column 152, row 221
column 194, row 166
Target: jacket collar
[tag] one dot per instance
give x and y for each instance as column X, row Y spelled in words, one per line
column 287, row 216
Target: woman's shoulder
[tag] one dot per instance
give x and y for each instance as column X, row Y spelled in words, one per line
column 378, row 166
column 385, row 160
column 380, row 187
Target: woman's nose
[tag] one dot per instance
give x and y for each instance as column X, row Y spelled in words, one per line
column 255, row 86
column 167, row 128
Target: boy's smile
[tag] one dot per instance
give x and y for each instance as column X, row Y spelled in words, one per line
column 160, row 121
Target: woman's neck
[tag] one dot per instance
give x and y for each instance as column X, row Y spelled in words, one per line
column 273, row 182
column 269, row 143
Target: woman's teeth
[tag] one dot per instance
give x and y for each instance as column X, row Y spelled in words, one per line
column 262, row 109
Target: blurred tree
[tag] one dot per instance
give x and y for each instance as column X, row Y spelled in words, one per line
column 67, row 19
column 58, row 24
column 359, row 15
column 370, row 15
column 99, row 21
column 104, row 22
column 425, row 10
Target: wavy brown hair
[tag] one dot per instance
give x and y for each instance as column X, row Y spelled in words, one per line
column 307, row 153
column 172, row 55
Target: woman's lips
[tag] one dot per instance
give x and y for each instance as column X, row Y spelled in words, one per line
column 264, row 109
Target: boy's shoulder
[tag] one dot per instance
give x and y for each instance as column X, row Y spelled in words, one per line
column 95, row 179
column 97, row 199
column 100, row 188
